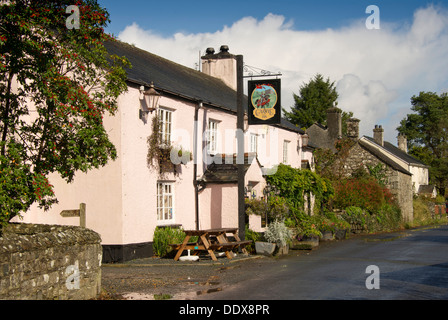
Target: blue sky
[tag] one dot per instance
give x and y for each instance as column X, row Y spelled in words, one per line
column 169, row 17
column 376, row 72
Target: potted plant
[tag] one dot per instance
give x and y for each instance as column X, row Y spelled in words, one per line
column 264, row 248
column 308, row 235
column 341, row 229
column 327, row 228
column 280, row 235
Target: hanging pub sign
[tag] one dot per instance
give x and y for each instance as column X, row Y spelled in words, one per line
column 264, row 102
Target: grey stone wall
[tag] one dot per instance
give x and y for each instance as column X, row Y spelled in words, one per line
column 41, row 262
column 399, row 184
column 405, row 196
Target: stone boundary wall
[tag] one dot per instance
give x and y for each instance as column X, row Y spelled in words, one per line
column 49, row 262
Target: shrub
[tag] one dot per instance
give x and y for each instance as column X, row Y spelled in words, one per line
column 389, row 217
column 163, row 237
column 386, row 218
column 365, row 193
column 278, row 233
column 254, row 236
column 355, row 216
column 308, row 226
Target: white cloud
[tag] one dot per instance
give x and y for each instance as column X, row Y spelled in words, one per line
column 376, row 71
column 371, row 101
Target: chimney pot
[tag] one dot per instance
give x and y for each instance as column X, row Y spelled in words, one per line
column 334, row 124
column 221, row 65
column 378, row 135
column 402, row 142
column 353, row 128
column 210, row 51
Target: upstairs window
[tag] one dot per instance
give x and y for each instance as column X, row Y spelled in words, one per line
column 165, row 126
column 253, row 147
column 212, row 137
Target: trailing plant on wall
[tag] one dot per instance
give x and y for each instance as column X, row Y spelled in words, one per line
column 294, row 185
column 378, row 172
column 329, row 164
column 163, row 155
column 274, row 208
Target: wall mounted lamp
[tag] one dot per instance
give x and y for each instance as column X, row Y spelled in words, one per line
column 149, row 100
column 305, row 140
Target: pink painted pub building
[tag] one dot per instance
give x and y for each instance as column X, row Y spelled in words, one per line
column 127, row 199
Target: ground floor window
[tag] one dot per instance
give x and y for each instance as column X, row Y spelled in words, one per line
column 165, row 202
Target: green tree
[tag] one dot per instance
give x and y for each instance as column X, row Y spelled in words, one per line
column 312, row 102
column 427, row 134
column 56, row 83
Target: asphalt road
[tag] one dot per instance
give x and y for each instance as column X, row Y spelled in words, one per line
column 408, row 265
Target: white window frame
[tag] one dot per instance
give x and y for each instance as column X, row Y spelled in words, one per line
column 165, row 126
column 212, row 136
column 165, row 202
column 253, row 147
column 286, row 151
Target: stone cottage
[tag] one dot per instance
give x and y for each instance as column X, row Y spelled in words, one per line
column 404, row 173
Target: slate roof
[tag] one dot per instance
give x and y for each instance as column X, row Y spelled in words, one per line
column 399, row 153
column 173, row 78
column 426, row 188
column 384, row 158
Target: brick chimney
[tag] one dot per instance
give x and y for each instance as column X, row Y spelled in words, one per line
column 334, row 123
column 378, row 135
column 402, row 142
column 353, row 128
column 221, row 65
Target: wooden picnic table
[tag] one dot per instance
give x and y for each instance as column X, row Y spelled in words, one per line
column 211, row 240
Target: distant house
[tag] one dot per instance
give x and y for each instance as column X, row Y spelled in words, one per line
column 126, row 200
column 325, row 137
column 428, row 191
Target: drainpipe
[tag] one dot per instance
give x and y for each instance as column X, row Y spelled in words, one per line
column 195, row 163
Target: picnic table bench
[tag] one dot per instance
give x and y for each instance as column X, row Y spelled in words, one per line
column 211, row 240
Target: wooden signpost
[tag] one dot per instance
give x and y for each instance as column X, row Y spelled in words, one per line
column 81, row 213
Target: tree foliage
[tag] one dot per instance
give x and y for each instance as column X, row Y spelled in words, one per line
column 427, row 134
column 56, row 84
column 312, row 102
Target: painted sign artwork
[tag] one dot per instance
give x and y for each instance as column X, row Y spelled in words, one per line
column 264, row 106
